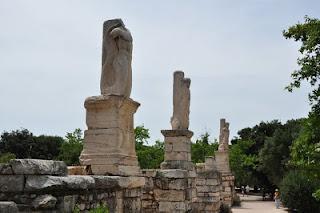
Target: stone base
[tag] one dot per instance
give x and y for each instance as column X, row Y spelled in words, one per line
column 222, row 161
column 109, row 144
column 177, row 150
column 227, row 191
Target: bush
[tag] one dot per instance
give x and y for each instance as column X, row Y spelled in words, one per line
column 224, row 208
column 236, row 200
column 99, row 209
column 296, row 192
column 6, row 157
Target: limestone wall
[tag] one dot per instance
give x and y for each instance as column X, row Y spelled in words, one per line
column 44, row 186
column 171, row 190
column 208, row 188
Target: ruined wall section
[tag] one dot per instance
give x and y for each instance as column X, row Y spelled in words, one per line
column 30, row 185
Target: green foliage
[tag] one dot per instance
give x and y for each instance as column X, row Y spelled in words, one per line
column 100, row 209
column 6, row 157
column 275, row 153
column 23, row 144
column 305, row 152
column 141, row 135
column 72, row 147
column 244, row 154
column 243, row 164
column 203, row 148
column 308, row 33
column 149, row 157
column 316, row 195
column 296, row 192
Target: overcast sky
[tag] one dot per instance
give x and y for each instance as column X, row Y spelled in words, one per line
column 233, row 51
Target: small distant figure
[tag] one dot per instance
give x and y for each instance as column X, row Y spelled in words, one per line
column 247, row 190
column 277, row 198
column 242, row 191
column 263, row 194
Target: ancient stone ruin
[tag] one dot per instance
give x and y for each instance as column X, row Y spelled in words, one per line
column 110, row 174
column 109, row 145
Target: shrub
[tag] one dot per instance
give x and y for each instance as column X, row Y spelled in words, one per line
column 6, row 157
column 236, row 200
column 296, row 192
column 100, row 209
column 224, row 208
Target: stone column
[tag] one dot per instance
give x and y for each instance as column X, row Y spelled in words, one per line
column 109, row 144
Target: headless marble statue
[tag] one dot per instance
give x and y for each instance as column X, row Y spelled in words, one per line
column 116, row 76
column 181, row 102
column 224, row 135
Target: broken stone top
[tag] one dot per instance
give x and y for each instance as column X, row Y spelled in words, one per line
column 224, row 135
column 116, row 75
column 181, row 101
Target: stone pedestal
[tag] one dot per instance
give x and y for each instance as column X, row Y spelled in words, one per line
column 177, row 149
column 222, row 161
column 109, row 144
column 227, row 189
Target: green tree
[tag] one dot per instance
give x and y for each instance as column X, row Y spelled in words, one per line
column 203, row 148
column 275, row 153
column 242, row 163
column 244, row 154
column 141, row 135
column 296, row 192
column 149, row 157
column 18, row 142
column 305, row 151
column 71, row 148
column 308, row 34
column 23, row 144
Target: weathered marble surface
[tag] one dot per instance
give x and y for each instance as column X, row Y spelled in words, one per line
column 181, row 101
column 224, row 135
column 116, row 75
column 109, row 144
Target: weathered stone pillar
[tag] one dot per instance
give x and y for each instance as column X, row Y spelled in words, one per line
column 222, row 164
column 109, row 145
column 222, row 155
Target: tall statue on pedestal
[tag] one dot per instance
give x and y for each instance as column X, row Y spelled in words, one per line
column 181, row 101
column 116, row 75
column 224, row 135
column 109, row 144
column 177, row 141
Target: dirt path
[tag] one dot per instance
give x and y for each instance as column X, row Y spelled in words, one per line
column 254, row 204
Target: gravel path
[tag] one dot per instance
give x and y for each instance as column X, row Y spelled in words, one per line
column 254, row 204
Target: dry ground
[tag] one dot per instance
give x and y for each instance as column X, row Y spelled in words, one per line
column 254, row 204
